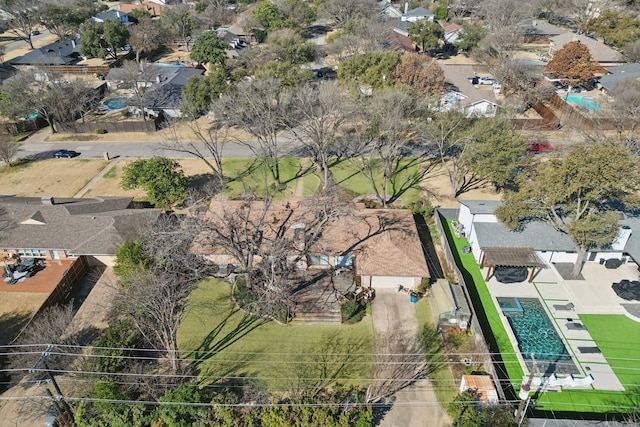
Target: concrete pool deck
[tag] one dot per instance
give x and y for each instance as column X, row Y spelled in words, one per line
column 593, row 295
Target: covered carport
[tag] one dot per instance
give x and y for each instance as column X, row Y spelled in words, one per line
column 517, row 257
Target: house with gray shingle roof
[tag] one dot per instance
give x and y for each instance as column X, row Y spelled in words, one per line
column 58, row 53
column 67, row 228
column 600, row 52
column 483, row 230
column 166, row 93
column 461, row 93
column 618, row 74
column 112, row 15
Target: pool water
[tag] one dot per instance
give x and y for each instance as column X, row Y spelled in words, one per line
column 116, row 103
column 535, row 332
column 170, row 64
column 532, row 62
column 581, row 101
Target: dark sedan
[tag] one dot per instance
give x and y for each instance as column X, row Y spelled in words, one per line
column 65, row 154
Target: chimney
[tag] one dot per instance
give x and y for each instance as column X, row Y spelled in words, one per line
column 47, row 200
column 73, row 43
column 406, row 7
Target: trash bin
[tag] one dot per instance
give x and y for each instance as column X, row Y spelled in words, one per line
column 414, row 297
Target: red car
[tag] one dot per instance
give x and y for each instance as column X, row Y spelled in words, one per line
column 539, row 146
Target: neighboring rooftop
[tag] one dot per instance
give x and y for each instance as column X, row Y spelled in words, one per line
column 58, row 53
column 600, row 52
column 81, row 226
column 457, row 77
column 620, row 73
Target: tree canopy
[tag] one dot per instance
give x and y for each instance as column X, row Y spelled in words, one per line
column 64, row 20
column 573, row 63
column 103, row 38
column 615, row 27
column 374, row 69
column 421, row 73
column 209, row 48
column 200, row 91
column 578, row 195
column 426, row 33
column 162, row 178
column 470, row 36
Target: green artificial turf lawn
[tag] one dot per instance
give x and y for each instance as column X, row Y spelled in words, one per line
column 347, row 176
column 471, row 270
column 612, row 334
column 253, row 175
column 230, row 344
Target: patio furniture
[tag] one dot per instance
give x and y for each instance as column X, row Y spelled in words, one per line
column 589, row 350
column 564, row 307
column 575, row 326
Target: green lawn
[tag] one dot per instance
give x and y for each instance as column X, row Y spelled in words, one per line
column 221, row 342
column 612, row 334
column 253, row 175
column 405, row 186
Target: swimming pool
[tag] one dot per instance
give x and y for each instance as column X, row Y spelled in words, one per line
column 115, row 103
column 170, row 64
column 581, row 101
column 532, row 62
column 536, row 335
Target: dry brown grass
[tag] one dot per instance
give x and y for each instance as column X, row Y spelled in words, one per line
column 56, row 177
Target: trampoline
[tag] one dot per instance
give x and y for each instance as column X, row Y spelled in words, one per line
column 627, row 290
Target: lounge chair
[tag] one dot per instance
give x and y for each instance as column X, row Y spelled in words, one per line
column 575, row 326
column 564, row 307
column 589, row 350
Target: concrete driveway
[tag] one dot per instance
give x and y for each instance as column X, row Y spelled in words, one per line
column 396, row 330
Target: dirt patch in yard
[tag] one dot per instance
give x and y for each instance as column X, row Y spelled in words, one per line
column 16, row 309
column 59, row 177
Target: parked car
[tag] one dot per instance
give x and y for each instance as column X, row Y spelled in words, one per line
column 35, row 32
column 487, row 80
column 540, row 146
column 65, row 154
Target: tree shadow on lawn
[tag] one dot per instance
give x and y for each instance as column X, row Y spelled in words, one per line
column 215, row 342
column 400, row 185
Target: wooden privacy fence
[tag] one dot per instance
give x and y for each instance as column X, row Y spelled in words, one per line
column 476, row 329
column 112, row 127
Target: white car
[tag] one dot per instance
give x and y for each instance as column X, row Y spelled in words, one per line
column 485, row 80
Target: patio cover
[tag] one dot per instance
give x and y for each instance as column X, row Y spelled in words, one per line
column 511, row 257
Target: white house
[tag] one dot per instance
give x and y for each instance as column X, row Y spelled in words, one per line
column 461, row 93
column 111, row 15
column 483, row 230
column 417, row 14
column 451, row 33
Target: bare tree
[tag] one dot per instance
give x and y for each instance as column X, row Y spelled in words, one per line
column 447, row 132
column 23, row 19
column 47, row 94
column 387, row 131
column 321, row 112
column 8, row 149
column 339, row 12
column 145, row 37
column 209, row 147
column 624, row 111
column 502, row 14
column 520, row 81
column 262, row 109
column 154, row 302
column 138, row 76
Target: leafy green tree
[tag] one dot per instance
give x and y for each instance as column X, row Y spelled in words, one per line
column 209, row 48
column 576, row 194
column 183, row 415
column 470, row 36
column 271, row 17
column 495, row 150
column 64, row 20
column 426, row 33
column 615, row 27
column 288, row 74
column 131, row 259
column 161, row 178
column 96, row 414
column 466, row 411
column 179, row 22
column 374, row 69
column 114, row 347
column 103, row 38
column 136, row 14
column 200, row 91
column 289, row 46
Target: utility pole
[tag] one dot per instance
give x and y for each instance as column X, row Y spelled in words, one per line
column 524, row 394
column 58, row 400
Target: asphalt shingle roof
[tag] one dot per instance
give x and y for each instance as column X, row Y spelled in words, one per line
column 599, row 51
column 81, row 226
column 58, row 53
column 481, row 206
column 620, row 73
